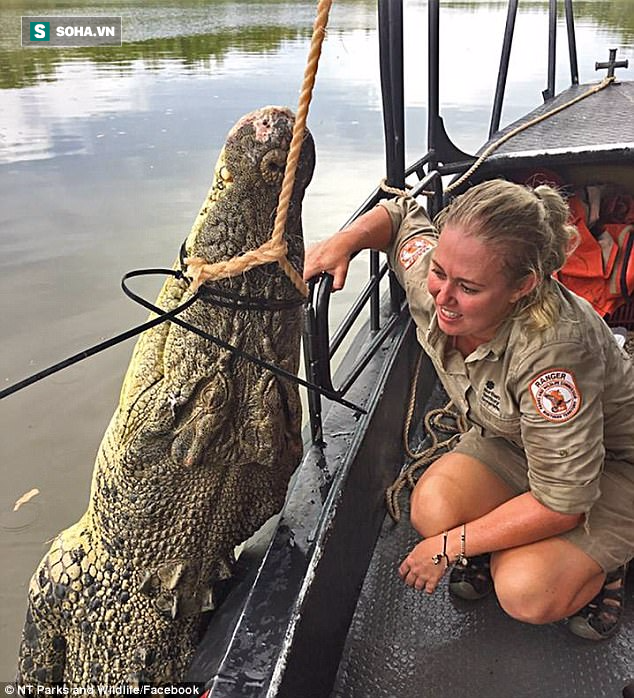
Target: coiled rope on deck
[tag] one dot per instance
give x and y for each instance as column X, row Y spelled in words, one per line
column 435, row 421
column 275, row 249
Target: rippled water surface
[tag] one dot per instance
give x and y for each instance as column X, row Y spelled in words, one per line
column 106, row 155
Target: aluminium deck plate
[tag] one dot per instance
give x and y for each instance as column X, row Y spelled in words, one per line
column 404, row 644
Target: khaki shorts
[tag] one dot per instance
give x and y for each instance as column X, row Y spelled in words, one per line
column 608, row 534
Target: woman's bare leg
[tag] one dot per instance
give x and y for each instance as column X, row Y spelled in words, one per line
column 454, row 489
column 545, row 581
column 537, row 583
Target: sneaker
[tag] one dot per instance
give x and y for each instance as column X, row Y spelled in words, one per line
column 601, row 618
column 474, row 581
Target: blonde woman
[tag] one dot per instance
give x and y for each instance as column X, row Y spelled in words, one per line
column 537, row 499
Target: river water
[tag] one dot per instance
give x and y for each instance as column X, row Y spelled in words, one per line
column 106, row 156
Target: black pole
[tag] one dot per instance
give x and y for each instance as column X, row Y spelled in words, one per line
column 504, row 67
column 107, row 344
column 311, row 358
column 549, row 92
column 572, row 43
column 391, row 67
column 433, row 98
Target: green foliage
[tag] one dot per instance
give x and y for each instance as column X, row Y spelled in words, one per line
column 24, row 67
column 154, row 21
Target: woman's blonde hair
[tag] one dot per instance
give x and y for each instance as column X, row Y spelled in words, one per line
column 529, row 228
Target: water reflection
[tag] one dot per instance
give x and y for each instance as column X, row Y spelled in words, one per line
column 190, row 34
column 161, row 32
column 28, row 67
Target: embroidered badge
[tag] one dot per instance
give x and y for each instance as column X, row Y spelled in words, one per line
column 556, row 395
column 490, row 398
column 412, row 250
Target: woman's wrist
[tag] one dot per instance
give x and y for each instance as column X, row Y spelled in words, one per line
column 371, row 231
column 457, row 544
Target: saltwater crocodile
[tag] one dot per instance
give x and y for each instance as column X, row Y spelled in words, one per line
column 197, row 455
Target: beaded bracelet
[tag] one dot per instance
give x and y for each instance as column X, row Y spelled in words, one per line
column 461, row 558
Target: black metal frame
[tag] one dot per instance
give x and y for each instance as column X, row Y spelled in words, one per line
column 441, row 158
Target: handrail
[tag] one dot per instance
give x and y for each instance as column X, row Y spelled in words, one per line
column 442, row 158
column 352, row 314
column 318, row 348
column 324, row 293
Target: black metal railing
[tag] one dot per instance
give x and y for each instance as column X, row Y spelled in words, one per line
column 549, row 92
column 319, row 346
column 442, row 158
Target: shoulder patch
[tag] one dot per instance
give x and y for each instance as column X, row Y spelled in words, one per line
column 556, row 395
column 413, row 249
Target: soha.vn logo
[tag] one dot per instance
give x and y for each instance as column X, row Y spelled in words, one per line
column 40, row 31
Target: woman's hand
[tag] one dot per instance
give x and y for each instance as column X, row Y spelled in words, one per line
column 418, row 569
column 331, row 255
column 372, row 230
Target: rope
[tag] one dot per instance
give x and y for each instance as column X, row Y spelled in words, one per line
column 433, row 419
column 393, row 190
column 275, row 249
column 522, row 127
column 433, row 423
column 494, row 146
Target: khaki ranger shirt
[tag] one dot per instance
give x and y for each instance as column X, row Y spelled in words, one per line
column 565, row 395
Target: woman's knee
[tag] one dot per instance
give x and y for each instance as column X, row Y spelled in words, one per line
column 532, row 591
column 435, row 500
column 523, row 597
column 454, row 489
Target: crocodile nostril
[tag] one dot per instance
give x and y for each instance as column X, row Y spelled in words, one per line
column 272, row 166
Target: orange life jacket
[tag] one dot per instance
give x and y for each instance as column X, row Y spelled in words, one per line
column 602, row 271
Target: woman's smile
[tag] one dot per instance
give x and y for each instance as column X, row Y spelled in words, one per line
column 471, row 293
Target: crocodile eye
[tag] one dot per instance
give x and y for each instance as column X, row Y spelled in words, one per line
column 272, row 166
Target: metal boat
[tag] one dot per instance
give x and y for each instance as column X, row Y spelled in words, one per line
column 316, row 608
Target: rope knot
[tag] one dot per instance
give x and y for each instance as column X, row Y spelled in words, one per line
column 384, row 186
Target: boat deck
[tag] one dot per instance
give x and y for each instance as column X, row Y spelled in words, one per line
column 598, row 123
column 403, row 643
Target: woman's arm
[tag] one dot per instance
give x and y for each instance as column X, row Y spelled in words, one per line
column 519, row 521
column 372, row 230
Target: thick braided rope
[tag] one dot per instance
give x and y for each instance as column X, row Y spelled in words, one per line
column 393, row 190
column 494, row 146
column 275, row 249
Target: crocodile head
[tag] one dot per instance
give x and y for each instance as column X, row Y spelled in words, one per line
column 251, row 168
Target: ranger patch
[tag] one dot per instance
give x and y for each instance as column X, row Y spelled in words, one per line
column 412, row 250
column 556, row 395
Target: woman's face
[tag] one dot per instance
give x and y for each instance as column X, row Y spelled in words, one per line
column 472, row 294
